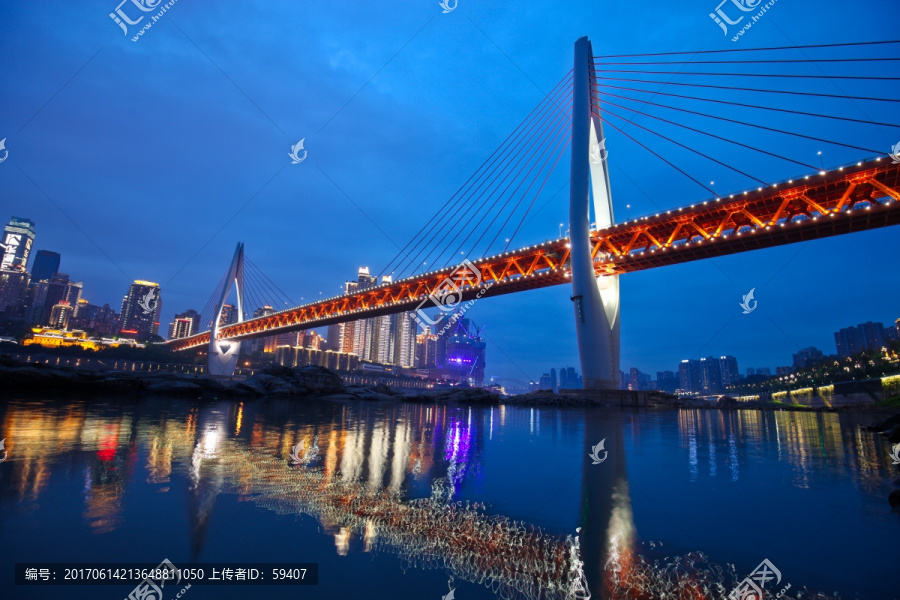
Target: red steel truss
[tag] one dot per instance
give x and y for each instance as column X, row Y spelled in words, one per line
column 853, row 198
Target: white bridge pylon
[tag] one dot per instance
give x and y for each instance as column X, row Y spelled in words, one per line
column 223, row 354
column 595, row 299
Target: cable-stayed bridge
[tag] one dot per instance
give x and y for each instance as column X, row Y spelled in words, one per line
column 485, row 216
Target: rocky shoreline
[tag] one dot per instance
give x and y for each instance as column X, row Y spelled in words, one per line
column 318, row 382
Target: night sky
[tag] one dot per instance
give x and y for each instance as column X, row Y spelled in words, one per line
column 151, row 159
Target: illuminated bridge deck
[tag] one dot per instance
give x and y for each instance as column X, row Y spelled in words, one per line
column 849, row 199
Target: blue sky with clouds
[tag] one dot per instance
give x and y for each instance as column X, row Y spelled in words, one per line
column 151, row 159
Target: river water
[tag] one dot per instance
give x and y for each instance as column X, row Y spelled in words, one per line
column 399, row 500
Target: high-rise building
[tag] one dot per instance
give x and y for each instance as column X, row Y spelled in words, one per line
column 807, row 357
column 18, row 236
column 465, row 353
column 312, row 341
column 427, row 349
column 689, row 379
column 60, row 315
column 569, row 379
column 405, row 333
column 634, row 379
column 268, row 343
column 553, row 383
column 865, row 336
column 362, row 332
column 386, row 339
column 666, row 381
column 141, row 307
column 847, row 342
column 13, row 293
column 545, row 383
column 46, row 264
column 181, row 328
column 891, row 334
column 872, row 335
column 710, row 375
column 44, row 295
column 185, row 324
column 728, row 367
column 101, row 320
column 229, row 315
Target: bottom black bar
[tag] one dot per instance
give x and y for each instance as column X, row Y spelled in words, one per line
column 166, row 574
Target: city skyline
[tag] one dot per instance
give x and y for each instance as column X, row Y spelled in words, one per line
column 40, row 257
column 383, row 177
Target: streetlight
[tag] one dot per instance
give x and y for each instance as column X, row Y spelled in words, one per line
column 627, row 208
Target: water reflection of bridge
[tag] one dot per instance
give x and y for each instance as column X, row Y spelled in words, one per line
column 362, row 463
column 355, row 470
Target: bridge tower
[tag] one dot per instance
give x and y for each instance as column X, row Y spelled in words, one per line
column 595, row 299
column 223, row 354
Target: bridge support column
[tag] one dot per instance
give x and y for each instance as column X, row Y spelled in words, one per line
column 596, row 299
column 223, row 354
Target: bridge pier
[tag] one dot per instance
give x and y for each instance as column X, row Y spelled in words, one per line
column 595, row 299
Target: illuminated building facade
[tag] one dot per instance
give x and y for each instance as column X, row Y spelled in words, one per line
column 710, row 376
column 141, row 307
column 185, row 324
column 299, row 357
column 181, row 328
column 728, row 367
column 13, row 293
column 101, row 320
column 465, row 358
column 18, row 236
column 388, row 339
column 689, row 380
column 229, row 315
column 358, row 332
column 55, row 338
column 266, row 344
column 45, row 294
column 61, row 314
